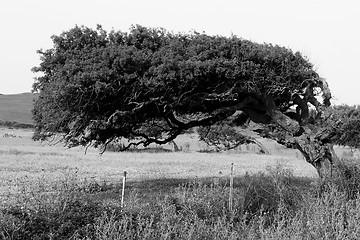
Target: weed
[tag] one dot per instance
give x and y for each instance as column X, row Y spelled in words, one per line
column 266, row 194
column 267, row 205
column 186, row 147
column 49, row 212
column 345, row 178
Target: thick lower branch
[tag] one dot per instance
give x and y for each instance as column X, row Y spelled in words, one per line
column 302, row 105
column 289, row 125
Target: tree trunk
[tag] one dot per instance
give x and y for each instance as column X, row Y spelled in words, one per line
column 261, row 146
column 316, row 150
column 321, row 156
column 324, row 168
column 176, row 148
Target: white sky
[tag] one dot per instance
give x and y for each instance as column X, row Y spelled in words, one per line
column 326, row 31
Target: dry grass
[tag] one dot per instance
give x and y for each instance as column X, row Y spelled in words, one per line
column 22, row 160
column 162, row 199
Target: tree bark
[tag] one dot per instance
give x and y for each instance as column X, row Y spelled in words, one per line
column 321, row 156
column 316, row 151
column 176, row 148
column 261, row 146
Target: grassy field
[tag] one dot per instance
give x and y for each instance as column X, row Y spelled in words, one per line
column 17, row 107
column 21, row 158
column 51, row 192
column 24, row 163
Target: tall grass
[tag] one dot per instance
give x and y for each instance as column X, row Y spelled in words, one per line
column 269, row 205
column 43, row 211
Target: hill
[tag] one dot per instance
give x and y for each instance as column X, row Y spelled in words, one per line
column 17, row 107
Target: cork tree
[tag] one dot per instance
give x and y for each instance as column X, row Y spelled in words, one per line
column 150, row 85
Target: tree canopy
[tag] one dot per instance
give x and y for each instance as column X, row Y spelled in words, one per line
column 98, row 86
column 341, row 125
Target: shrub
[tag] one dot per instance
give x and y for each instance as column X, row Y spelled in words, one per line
column 266, row 205
column 222, row 137
column 193, row 211
column 75, row 218
column 199, row 210
column 345, row 178
column 50, row 212
column 267, row 194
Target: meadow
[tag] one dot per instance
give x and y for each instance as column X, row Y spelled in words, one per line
column 48, row 191
column 22, row 158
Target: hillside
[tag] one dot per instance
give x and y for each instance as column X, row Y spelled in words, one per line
column 17, row 107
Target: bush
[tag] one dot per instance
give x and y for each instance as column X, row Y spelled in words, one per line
column 346, row 179
column 199, row 210
column 118, row 146
column 222, row 137
column 192, row 211
column 50, row 212
column 266, row 206
column 76, row 218
column 267, row 194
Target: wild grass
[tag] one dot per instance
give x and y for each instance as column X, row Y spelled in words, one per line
column 22, row 160
column 48, row 192
column 268, row 205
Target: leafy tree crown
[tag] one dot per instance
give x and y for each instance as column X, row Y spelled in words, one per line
column 149, row 85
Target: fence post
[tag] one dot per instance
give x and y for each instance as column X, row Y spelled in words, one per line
column 231, row 188
column 123, row 190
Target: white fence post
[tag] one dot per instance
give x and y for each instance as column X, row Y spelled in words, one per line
column 231, row 188
column 123, row 190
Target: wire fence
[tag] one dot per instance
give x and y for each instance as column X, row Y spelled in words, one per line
column 121, row 184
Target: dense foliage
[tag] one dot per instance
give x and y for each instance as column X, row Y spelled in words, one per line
column 342, row 124
column 98, row 86
column 223, row 137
